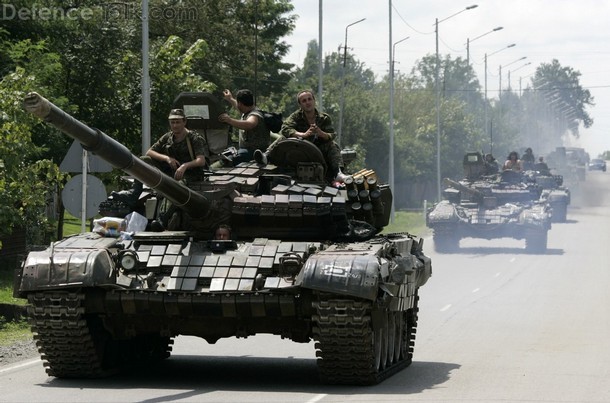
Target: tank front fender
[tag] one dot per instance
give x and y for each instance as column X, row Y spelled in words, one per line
column 356, row 276
column 443, row 212
column 51, row 268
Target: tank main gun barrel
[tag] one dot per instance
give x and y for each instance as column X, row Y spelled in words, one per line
column 456, row 185
column 117, row 155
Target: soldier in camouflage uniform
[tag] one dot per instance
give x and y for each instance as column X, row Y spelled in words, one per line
column 179, row 153
column 253, row 132
column 309, row 124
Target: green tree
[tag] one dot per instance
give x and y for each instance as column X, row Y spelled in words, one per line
column 244, row 38
column 561, row 89
column 27, row 181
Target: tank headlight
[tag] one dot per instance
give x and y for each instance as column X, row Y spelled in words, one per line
column 128, row 260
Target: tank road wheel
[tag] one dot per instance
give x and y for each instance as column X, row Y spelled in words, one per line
column 536, row 241
column 350, row 348
column 71, row 344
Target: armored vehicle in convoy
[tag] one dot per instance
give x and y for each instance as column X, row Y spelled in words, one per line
column 553, row 191
column 306, row 261
column 489, row 206
column 570, row 163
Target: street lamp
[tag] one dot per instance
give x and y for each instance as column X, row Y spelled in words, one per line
column 468, row 40
column 391, row 160
column 438, row 103
column 518, row 68
column 500, row 73
column 486, row 56
column 340, row 127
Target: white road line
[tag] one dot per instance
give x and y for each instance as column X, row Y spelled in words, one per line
column 443, row 309
column 512, row 259
column 317, row 398
column 20, row 365
column 476, row 290
column 497, row 274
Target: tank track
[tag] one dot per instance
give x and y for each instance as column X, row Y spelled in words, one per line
column 352, row 350
column 63, row 337
column 75, row 345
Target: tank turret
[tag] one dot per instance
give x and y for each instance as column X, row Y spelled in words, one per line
column 473, row 194
column 255, row 200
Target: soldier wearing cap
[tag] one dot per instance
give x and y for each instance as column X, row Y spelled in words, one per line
column 179, row 153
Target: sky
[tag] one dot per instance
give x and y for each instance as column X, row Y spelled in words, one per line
column 576, row 33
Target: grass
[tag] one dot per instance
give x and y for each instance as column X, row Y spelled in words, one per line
column 6, row 285
column 72, row 225
column 412, row 222
column 12, row 331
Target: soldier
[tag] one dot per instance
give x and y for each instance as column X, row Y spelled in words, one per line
column 179, row 153
column 223, row 232
column 491, row 165
column 513, row 163
column 542, row 167
column 528, row 159
column 253, row 132
column 312, row 125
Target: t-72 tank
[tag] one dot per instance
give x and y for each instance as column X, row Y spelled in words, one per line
column 306, row 262
column 489, row 206
column 553, row 191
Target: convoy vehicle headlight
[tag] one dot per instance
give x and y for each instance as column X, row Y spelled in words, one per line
column 128, row 260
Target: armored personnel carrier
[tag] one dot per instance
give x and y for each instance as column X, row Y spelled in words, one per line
column 306, row 262
column 485, row 206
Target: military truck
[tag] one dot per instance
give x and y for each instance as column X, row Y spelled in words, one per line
column 489, row 206
column 306, row 261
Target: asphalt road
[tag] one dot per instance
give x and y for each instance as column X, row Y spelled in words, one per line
column 496, row 325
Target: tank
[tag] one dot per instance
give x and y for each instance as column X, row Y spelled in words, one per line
column 489, row 206
column 554, row 192
column 306, row 261
column 566, row 164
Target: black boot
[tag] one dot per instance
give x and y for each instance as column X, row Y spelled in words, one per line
column 129, row 197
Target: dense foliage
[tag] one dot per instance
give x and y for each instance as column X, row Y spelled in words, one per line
column 91, row 67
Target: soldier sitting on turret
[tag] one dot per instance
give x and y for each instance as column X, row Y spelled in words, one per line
column 542, row 167
column 179, row 153
column 528, row 159
column 513, row 163
column 491, row 165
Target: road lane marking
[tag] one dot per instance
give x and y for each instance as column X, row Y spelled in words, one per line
column 317, row 398
column 475, row 290
column 443, row 309
column 20, row 365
